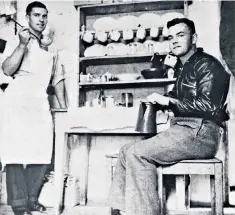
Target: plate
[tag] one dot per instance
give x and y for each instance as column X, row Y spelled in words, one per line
column 148, row 20
column 116, row 49
column 169, row 16
column 128, row 22
column 105, row 24
column 95, row 51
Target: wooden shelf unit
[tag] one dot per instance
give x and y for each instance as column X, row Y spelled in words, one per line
column 116, row 64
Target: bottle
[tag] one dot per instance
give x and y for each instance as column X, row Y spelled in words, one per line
column 101, row 98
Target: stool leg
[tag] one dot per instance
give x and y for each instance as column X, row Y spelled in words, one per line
column 218, row 189
column 213, row 196
column 180, row 192
column 187, row 192
column 161, row 194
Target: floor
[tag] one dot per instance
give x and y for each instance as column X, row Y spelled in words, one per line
column 91, row 209
column 6, row 210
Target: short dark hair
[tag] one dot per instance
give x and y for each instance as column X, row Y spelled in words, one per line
column 186, row 21
column 34, row 4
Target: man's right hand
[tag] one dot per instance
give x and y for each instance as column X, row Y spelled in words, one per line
column 24, row 36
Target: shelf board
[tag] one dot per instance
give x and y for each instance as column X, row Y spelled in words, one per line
column 125, row 7
column 92, row 31
column 117, row 59
column 159, row 81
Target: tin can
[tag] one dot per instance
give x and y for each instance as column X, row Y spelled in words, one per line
column 110, row 102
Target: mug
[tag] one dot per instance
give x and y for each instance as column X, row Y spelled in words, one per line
column 154, row 32
column 101, row 36
column 141, row 33
column 128, row 34
column 87, row 37
column 115, row 35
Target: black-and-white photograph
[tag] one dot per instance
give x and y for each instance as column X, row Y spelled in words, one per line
column 117, row 107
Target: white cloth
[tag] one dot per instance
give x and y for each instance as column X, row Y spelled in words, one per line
column 111, row 119
column 26, row 127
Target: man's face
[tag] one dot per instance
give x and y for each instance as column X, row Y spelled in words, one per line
column 37, row 19
column 181, row 40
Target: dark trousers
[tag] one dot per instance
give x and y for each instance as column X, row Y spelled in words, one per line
column 24, row 184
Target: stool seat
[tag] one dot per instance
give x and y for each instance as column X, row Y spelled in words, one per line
column 191, row 167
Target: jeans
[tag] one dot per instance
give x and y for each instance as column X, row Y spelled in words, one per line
column 134, row 187
column 24, row 185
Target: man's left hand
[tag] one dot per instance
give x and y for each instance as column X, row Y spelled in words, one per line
column 157, row 98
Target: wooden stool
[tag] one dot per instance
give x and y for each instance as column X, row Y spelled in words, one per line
column 212, row 167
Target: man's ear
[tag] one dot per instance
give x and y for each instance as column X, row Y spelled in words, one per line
column 194, row 38
column 27, row 17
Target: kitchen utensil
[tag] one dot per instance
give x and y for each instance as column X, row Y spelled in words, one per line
column 128, row 34
column 39, row 40
column 169, row 16
column 135, row 48
column 170, row 60
column 2, row 45
column 141, row 33
column 116, row 49
column 127, row 76
column 87, row 37
column 101, row 36
column 148, row 20
column 127, row 99
column 146, row 121
column 153, row 73
column 114, row 35
column 95, row 50
column 105, row 24
column 154, row 31
column 157, row 70
column 128, row 22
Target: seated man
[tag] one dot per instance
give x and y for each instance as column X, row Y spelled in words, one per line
column 198, row 103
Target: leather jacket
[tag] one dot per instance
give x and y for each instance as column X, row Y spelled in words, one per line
column 201, row 88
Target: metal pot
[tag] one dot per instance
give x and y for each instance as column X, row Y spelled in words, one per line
column 146, row 122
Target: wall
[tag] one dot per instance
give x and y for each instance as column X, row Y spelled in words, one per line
column 63, row 17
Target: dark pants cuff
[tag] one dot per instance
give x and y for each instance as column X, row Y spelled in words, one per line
column 33, row 199
column 18, row 202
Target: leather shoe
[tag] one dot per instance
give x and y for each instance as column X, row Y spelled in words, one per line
column 36, row 206
column 21, row 211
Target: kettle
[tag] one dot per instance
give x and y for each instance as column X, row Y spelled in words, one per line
column 146, row 122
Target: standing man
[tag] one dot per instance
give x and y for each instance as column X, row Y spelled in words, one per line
column 26, row 132
column 198, row 103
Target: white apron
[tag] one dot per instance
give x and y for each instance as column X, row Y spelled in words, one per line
column 26, row 127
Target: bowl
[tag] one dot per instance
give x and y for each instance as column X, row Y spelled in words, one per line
column 153, row 73
column 128, row 77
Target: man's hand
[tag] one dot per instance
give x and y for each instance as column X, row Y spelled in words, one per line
column 157, row 98
column 24, row 36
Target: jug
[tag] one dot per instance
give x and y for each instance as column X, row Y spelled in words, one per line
column 146, row 122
